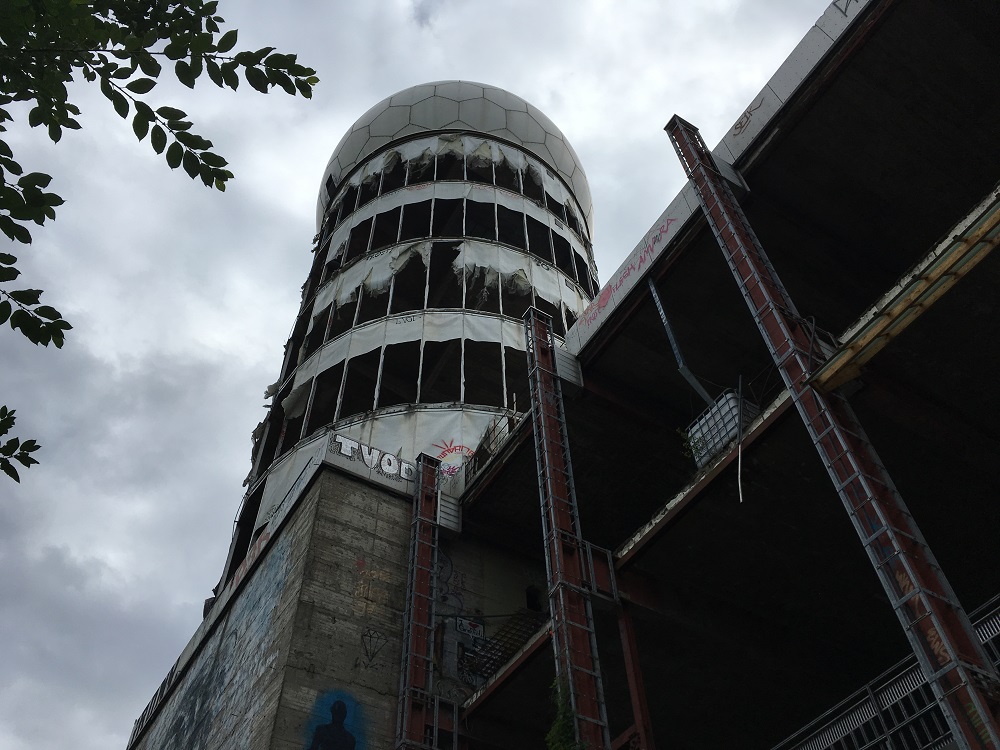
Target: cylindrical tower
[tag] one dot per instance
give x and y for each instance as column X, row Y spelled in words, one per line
column 444, row 213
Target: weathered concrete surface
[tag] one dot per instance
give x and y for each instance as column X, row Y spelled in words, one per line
column 348, row 628
column 226, row 695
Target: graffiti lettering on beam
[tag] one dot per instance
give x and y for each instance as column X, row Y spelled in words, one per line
column 649, row 251
column 741, row 124
column 386, row 464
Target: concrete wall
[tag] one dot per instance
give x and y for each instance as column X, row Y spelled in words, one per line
column 347, row 640
column 226, row 694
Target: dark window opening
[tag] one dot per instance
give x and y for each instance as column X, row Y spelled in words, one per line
column 386, row 229
column 479, row 220
column 484, row 373
column 374, row 304
column 420, row 170
column 394, row 176
column 533, row 185
column 481, row 290
column 400, row 374
column 444, row 285
column 408, row 286
column 332, row 265
column 317, row 335
column 290, row 433
column 337, row 215
column 343, row 317
column 539, row 242
column 243, row 537
column 573, row 222
column 330, row 187
column 564, row 254
column 479, row 169
column 516, row 376
column 416, row 221
column 595, row 285
column 358, row 244
column 271, row 436
column 511, row 227
column 359, row 384
column 570, row 317
column 583, row 273
column 295, row 344
column 533, row 599
column 349, row 203
column 324, row 406
column 442, row 372
column 450, row 166
column 552, row 310
column 312, row 282
column 508, row 177
column 369, row 189
column 447, row 217
column 555, row 207
column 515, row 294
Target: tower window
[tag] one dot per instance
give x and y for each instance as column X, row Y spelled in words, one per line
column 441, row 374
column 358, row 244
column 400, row 374
column 447, row 217
column 324, row 406
column 450, row 166
column 479, row 220
column 510, row 225
column 409, row 285
column 539, row 242
column 444, row 285
column 416, row 221
column 484, row 373
column 386, row 228
column 359, row 384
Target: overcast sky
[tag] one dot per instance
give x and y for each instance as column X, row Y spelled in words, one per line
column 182, row 298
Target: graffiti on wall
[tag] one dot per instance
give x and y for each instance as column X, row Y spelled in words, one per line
column 212, row 699
column 452, row 455
column 336, row 722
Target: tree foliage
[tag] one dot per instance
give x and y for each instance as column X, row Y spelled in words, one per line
column 123, row 47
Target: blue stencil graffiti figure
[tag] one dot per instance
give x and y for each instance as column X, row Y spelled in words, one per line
column 333, row 736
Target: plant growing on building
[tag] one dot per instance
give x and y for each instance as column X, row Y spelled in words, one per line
column 562, row 733
column 121, row 46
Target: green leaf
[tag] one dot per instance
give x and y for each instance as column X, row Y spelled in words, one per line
column 141, row 85
column 9, row 470
column 30, row 446
column 174, row 155
column 214, row 72
column 7, row 259
column 35, row 179
column 229, row 76
column 150, row 66
column 191, row 164
column 178, row 124
column 193, row 141
column 140, row 126
column 304, row 88
column 47, row 312
column 213, row 160
column 171, row 113
column 5, row 309
column 10, row 447
column 55, row 132
column 121, row 104
column 227, row 41
column 8, row 274
column 279, row 78
column 184, row 73
column 158, row 138
column 257, row 79
column 25, row 459
column 14, row 230
column 36, row 116
column 26, row 296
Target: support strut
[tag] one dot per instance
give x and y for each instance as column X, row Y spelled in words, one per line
column 422, row 714
column 952, row 658
column 567, row 556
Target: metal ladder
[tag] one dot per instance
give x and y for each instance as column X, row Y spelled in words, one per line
column 422, row 715
column 952, row 658
column 578, row 670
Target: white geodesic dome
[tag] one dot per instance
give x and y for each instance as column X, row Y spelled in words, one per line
column 457, row 106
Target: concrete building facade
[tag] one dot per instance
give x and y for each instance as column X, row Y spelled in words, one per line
column 745, row 600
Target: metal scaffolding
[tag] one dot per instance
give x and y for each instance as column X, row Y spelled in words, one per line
column 423, row 717
column 568, row 558
column 951, row 656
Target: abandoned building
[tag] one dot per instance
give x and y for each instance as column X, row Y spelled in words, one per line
column 740, row 496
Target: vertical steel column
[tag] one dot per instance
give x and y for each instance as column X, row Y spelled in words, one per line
column 964, row 680
column 637, row 689
column 420, row 711
column 578, row 669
